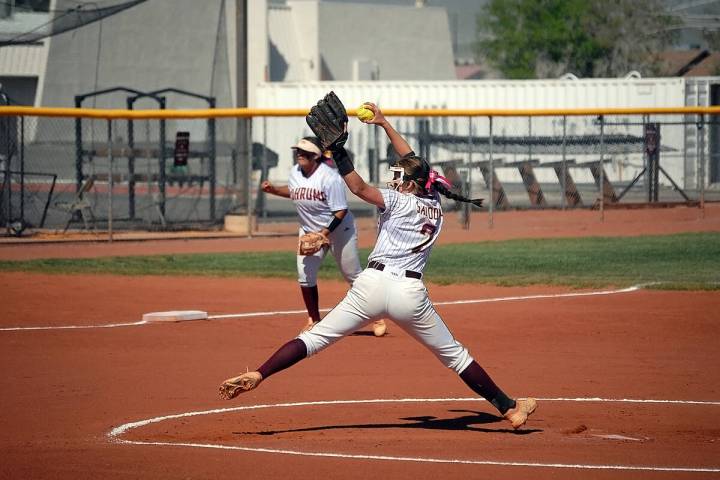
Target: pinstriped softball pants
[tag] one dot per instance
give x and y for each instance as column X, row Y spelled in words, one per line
column 390, row 294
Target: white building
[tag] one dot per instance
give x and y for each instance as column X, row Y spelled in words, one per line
column 191, row 46
column 398, row 56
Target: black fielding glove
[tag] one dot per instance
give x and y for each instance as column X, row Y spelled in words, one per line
column 328, row 120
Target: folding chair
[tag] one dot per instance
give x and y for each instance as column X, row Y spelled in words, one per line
column 80, row 205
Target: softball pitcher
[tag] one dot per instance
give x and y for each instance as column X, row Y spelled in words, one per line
column 391, row 286
column 318, row 193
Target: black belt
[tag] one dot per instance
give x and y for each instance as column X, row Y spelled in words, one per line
column 381, row 267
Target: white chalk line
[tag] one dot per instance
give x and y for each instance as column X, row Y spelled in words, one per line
column 74, row 327
column 293, row 312
column 116, row 433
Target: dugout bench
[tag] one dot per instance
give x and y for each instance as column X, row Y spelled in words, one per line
column 450, row 171
column 532, row 186
column 571, row 194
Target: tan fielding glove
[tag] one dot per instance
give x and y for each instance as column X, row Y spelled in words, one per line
column 311, row 243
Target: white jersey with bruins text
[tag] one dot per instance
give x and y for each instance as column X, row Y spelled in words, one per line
column 317, row 196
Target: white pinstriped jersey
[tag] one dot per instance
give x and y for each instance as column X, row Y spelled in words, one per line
column 407, row 229
column 317, row 196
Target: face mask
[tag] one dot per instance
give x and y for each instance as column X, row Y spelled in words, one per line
column 397, row 178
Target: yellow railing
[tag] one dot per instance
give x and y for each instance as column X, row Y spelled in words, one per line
column 297, row 112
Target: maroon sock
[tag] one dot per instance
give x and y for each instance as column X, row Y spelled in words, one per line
column 311, row 299
column 480, row 382
column 286, row 356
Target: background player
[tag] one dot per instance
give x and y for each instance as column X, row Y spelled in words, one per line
column 318, row 193
column 409, row 223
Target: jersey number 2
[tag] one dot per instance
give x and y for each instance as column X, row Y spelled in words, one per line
column 429, row 230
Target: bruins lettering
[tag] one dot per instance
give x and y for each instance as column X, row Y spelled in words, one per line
column 432, row 213
column 305, row 193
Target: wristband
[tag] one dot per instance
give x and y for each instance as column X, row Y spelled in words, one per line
column 343, row 162
column 334, row 223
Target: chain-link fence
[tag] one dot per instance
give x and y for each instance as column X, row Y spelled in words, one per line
column 142, row 173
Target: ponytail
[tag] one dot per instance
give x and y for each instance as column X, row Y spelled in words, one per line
column 426, row 179
column 454, row 196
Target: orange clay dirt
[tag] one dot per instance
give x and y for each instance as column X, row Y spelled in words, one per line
column 66, row 389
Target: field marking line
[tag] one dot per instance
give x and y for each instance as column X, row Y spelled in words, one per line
column 74, row 327
column 116, row 433
column 458, row 302
column 634, row 288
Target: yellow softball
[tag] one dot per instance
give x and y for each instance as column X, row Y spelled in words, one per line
column 364, row 114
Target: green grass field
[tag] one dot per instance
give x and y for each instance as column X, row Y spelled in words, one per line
column 679, row 262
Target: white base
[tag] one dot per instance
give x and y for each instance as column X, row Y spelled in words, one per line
column 175, row 316
column 239, row 224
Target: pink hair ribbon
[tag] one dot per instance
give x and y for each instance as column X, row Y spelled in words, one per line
column 436, row 177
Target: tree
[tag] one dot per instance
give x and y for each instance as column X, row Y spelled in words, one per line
column 589, row 38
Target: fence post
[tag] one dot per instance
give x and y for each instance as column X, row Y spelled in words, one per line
column 701, row 159
column 162, row 159
column 212, row 158
column 602, row 168
column 131, row 162
column 530, row 140
column 646, row 161
column 5, row 162
column 21, row 153
column 264, row 170
column 563, row 186
column 110, row 180
column 376, row 166
column 248, row 179
column 234, row 167
column 78, row 147
column 468, row 189
column 492, row 175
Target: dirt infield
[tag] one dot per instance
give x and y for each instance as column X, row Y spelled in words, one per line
column 77, row 364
